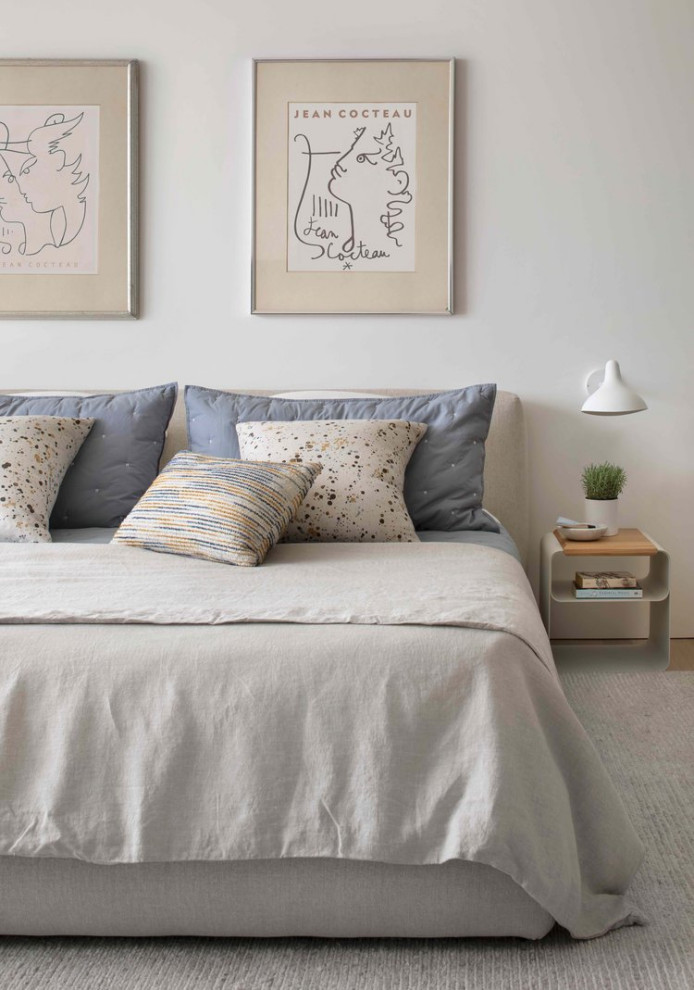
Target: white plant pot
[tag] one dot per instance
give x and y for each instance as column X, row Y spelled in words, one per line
column 603, row 512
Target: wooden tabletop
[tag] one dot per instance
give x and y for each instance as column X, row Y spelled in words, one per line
column 627, row 543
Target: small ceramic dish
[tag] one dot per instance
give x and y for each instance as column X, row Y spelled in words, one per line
column 582, row 533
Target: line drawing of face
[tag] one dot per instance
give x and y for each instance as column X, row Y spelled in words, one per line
column 50, row 178
column 371, row 179
column 15, row 209
column 343, row 175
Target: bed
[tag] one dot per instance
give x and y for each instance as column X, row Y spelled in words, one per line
column 351, row 740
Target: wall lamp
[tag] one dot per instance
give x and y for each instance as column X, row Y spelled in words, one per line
column 608, row 395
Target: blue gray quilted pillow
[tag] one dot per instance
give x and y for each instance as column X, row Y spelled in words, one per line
column 444, row 478
column 119, row 459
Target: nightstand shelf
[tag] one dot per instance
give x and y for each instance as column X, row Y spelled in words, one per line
column 560, row 559
column 654, row 590
column 620, row 655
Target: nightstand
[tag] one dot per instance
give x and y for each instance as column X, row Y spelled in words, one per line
column 560, row 559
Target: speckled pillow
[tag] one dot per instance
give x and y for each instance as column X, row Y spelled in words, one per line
column 35, row 453
column 358, row 497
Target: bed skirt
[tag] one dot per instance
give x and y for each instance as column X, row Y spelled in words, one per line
column 268, row 898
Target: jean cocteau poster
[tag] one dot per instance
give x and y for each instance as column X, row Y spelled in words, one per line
column 353, row 196
column 352, row 187
column 49, row 189
column 68, row 188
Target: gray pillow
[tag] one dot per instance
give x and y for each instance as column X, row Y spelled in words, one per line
column 119, row 459
column 444, row 479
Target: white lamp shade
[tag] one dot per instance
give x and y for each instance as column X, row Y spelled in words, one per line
column 613, row 397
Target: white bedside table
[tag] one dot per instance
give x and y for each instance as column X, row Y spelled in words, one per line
column 559, row 559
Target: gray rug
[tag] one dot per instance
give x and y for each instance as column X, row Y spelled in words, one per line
column 641, row 724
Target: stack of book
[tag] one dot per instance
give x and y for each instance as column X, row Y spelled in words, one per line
column 606, row 584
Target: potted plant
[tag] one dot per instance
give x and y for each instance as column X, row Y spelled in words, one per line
column 602, row 486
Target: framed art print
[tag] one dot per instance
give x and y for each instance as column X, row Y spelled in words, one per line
column 353, row 185
column 68, row 188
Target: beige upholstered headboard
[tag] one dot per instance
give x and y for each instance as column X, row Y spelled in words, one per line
column 505, row 472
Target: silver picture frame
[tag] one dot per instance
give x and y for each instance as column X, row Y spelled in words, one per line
column 69, row 132
column 286, row 278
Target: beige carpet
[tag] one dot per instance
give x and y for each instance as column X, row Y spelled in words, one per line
column 643, row 726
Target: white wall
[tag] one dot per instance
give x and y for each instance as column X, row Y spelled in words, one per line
column 574, row 220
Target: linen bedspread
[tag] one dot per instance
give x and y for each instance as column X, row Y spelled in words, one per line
column 393, row 703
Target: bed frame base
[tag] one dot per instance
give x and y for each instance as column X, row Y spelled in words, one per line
column 268, row 898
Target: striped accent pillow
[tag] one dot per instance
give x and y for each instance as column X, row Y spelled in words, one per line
column 217, row 508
